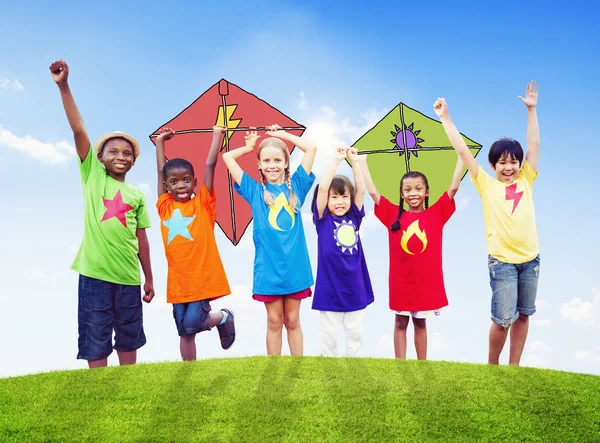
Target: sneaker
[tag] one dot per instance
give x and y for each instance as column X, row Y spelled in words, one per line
column 227, row 330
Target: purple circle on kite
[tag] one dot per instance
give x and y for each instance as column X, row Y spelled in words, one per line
column 411, row 140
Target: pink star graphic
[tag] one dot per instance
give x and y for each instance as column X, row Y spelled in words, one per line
column 116, row 208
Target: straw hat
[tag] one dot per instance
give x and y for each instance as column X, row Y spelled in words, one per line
column 117, row 134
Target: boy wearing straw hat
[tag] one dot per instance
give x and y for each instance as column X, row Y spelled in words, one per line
column 115, row 219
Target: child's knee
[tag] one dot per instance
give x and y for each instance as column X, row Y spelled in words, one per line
column 292, row 322
column 401, row 322
column 275, row 322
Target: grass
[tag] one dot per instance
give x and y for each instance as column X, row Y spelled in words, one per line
column 301, row 399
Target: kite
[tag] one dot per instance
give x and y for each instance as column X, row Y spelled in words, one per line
column 407, row 140
column 224, row 104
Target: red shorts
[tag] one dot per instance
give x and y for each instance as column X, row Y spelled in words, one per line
column 300, row 295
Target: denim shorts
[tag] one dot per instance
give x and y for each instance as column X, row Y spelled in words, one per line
column 104, row 307
column 514, row 289
column 191, row 318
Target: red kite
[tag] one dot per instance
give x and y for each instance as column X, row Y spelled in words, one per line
column 224, row 104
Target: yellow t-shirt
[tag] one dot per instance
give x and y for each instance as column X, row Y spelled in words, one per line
column 509, row 215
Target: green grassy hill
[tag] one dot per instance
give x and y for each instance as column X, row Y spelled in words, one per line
column 302, row 399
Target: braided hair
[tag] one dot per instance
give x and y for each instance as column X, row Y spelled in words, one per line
column 268, row 197
column 412, row 174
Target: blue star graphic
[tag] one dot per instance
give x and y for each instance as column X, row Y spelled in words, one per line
column 177, row 225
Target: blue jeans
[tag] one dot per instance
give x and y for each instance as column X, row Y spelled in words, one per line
column 192, row 317
column 104, row 307
column 514, row 289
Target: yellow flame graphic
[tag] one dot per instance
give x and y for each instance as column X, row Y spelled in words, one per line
column 413, row 229
column 281, row 203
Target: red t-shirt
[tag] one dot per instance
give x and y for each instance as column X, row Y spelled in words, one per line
column 416, row 277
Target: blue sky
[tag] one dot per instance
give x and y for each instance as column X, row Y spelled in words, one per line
column 337, row 69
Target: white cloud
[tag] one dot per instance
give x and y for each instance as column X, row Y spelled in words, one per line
column 15, row 84
column 582, row 312
column 384, row 347
column 53, row 153
column 144, row 187
column 539, row 355
column 437, row 342
column 328, row 131
column 541, row 323
column 462, row 203
column 40, row 274
column 302, row 103
column 593, row 356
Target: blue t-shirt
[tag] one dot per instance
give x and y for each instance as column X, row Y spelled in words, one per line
column 343, row 282
column 281, row 263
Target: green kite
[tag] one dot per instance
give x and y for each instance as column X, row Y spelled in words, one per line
column 407, row 140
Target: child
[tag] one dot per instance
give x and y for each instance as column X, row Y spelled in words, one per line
column 509, row 216
column 415, row 236
column 282, row 272
column 196, row 274
column 343, row 288
column 114, row 237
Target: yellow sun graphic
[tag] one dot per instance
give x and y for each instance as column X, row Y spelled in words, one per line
column 346, row 236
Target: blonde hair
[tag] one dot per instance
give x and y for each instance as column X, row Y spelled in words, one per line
column 274, row 142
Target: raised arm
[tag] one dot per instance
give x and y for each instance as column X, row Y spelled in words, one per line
column 441, row 109
column 211, row 158
column 359, row 179
column 533, row 130
column 455, row 183
column 230, row 158
column 60, row 74
column 323, row 192
column 164, row 135
column 376, row 196
column 306, row 146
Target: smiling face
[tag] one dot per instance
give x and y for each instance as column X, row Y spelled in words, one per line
column 273, row 161
column 117, row 157
column 506, row 168
column 180, row 183
column 414, row 190
column 339, row 203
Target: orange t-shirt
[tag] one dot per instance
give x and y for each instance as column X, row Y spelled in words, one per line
column 195, row 268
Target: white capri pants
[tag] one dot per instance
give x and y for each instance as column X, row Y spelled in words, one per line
column 353, row 330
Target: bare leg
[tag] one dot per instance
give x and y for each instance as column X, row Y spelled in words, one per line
column 291, row 316
column 420, row 337
column 498, row 336
column 98, row 363
column 518, row 336
column 400, row 325
column 127, row 358
column 215, row 318
column 187, row 346
column 274, row 326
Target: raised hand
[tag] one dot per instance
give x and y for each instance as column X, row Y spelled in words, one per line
column 60, row 71
column 251, row 137
column 531, row 95
column 165, row 134
column 340, row 153
column 353, row 154
column 218, row 131
column 275, row 130
column 441, row 108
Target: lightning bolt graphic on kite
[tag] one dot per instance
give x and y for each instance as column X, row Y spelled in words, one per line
column 224, row 104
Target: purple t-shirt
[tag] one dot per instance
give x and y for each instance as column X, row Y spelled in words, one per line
column 343, row 283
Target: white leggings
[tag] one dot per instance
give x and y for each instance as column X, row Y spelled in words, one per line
column 353, row 329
